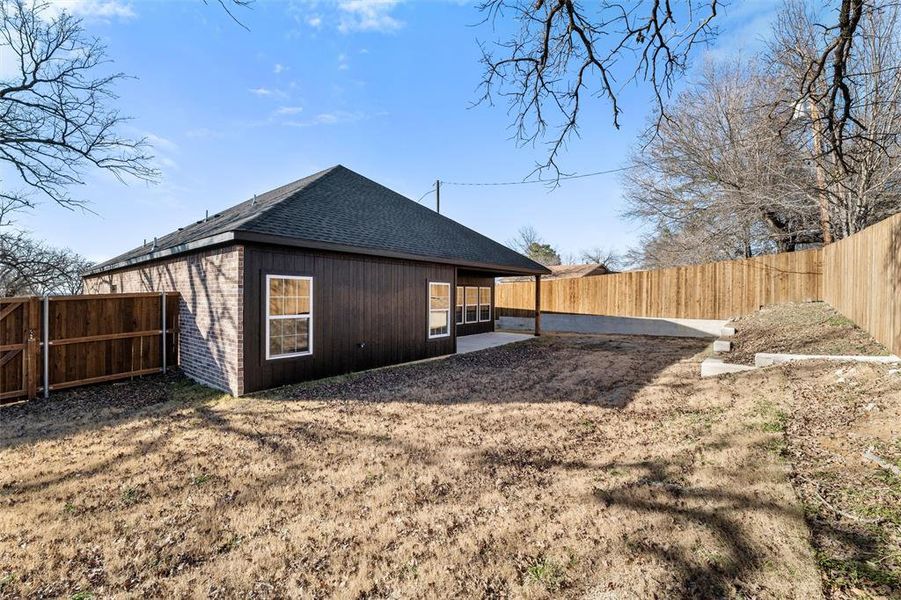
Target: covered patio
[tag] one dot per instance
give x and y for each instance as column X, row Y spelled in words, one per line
column 482, row 341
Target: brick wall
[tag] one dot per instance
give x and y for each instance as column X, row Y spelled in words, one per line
column 211, row 312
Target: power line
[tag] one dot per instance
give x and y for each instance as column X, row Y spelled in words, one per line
column 431, row 191
column 564, row 178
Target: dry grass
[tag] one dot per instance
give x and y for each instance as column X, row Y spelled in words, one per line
column 799, row 328
column 853, row 505
column 576, row 466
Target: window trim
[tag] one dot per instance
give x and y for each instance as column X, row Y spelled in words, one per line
column 269, row 317
column 487, row 320
column 465, row 305
column 428, row 321
column 460, row 292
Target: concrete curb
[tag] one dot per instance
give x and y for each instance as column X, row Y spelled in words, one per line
column 722, row 346
column 765, row 359
column 713, row 367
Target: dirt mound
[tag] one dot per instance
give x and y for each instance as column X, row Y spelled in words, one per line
column 805, row 328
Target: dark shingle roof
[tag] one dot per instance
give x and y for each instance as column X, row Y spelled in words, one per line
column 342, row 210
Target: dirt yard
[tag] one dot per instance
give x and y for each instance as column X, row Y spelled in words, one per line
column 802, row 328
column 576, row 466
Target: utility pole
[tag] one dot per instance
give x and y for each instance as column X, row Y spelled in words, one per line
column 438, row 196
column 819, row 155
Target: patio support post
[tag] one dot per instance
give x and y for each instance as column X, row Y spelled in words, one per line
column 163, row 334
column 537, row 305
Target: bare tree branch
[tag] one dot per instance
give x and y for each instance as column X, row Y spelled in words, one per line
column 565, row 51
column 55, row 118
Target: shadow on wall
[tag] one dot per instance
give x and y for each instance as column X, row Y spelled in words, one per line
column 210, row 306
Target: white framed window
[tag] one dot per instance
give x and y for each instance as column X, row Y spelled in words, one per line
column 471, row 309
column 484, row 304
column 289, row 316
column 439, row 309
column 458, row 307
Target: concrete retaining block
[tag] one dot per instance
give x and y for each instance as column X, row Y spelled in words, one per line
column 570, row 323
column 727, row 331
column 712, row 367
column 765, row 359
column 722, row 346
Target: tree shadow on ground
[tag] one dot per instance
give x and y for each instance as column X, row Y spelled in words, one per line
column 600, row 370
column 606, row 371
column 660, row 491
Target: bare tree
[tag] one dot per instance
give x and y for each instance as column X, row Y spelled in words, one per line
column 29, row 267
column 832, row 78
column 856, row 161
column 525, row 237
column 55, row 114
column 602, row 256
column 531, row 244
column 720, row 160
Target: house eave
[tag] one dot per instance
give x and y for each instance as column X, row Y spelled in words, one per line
column 276, row 240
column 213, row 240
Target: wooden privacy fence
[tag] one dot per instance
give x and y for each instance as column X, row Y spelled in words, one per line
column 860, row 276
column 717, row 290
column 862, row 280
column 59, row 342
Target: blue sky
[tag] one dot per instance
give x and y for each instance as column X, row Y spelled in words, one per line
column 385, row 88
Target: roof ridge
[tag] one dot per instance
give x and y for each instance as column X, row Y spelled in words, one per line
column 315, row 178
column 457, row 223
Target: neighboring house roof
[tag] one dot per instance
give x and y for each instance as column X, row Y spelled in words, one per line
column 568, row 272
column 337, row 209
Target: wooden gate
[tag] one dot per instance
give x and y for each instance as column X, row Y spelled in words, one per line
column 89, row 339
column 20, row 336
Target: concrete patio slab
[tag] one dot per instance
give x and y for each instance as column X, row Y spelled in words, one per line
column 481, row 341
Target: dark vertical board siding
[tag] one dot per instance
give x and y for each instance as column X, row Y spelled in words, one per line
column 378, row 302
column 471, row 279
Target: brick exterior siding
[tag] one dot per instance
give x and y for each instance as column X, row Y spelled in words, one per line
column 211, row 311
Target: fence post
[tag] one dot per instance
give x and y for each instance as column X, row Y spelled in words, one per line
column 45, row 333
column 163, row 334
column 32, row 347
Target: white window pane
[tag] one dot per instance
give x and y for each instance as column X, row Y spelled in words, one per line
column 290, row 310
column 437, row 318
column 275, row 345
column 439, row 296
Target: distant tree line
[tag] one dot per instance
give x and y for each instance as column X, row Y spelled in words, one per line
column 530, row 243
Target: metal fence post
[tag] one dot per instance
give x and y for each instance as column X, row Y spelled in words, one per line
column 46, row 346
column 163, row 334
